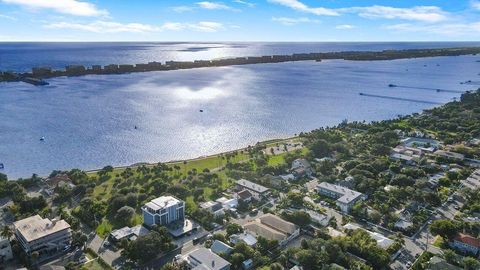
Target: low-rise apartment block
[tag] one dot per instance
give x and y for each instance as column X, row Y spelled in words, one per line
column 42, row 235
column 345, row 197
column 258, row 191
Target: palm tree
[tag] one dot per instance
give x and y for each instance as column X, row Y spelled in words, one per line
column 7, row 232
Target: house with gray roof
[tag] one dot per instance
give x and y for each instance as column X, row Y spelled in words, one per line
column 205, row 259
column 258, row 191
column 219, row 247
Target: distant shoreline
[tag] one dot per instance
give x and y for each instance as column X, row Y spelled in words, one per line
column 40, row 74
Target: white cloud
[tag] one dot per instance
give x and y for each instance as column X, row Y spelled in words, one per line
column 105, row 27
column 475, row 4
column 419, row 13
column 244, row 3
column 115, row 27
column 3, row 16
column 447, row 29
column 345, row 26
column 206, row 26
column 293, row 21
column 181, row 9
column 213, row 5
column 71, row 7
column 297, row 5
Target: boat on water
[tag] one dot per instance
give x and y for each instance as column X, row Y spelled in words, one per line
column 392, row 85
column 35, row 81
column 2, row 166
column 42, row 139
column 201, row 110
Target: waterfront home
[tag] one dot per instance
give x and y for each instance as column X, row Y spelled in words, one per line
column 59, row 180
column 42, row 235
column 382, row 241
column 273, row 227
column 128, row 233
column 204, row 259
column 219, row 247
column 163, row 210
column 258, row 192
column 466, row 243
column 41, row 71
column 244, row 237
column 345, row 197
column 75, row 70
column 5, row 250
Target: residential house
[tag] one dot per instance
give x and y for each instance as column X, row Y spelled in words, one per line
column 228, row 204
column 450, row 155
column 245, row 196
column 163, row 210
column 301, row 168
column 466, row 243
column 473, row 181
column 205, row 259
column 247, row 264
column 215, row 208
column 42, row 235
column 345, row 197
column 244, row 237
column 382, row 241
column 128, row 233
column 438, row 263
column 258, row 192
column 425, row 144
column 219, row 247
column 273, row 227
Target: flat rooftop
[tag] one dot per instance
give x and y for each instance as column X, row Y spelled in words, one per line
column 163, row 202
column 348, row 195
column 36, row 227
column 252, row 186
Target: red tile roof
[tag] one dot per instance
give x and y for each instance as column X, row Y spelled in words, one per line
column 468, row 239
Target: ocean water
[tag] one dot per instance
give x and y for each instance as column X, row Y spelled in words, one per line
column 89, row 122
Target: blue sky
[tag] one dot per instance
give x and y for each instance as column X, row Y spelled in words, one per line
column 239, row 20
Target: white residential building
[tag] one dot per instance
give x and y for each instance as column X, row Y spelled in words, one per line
column 345, row 197
column 163, row 210
column 43, row 235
